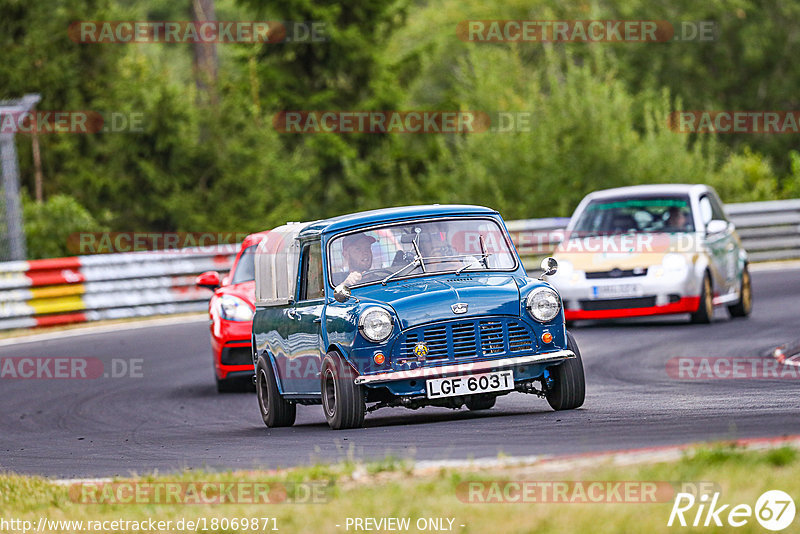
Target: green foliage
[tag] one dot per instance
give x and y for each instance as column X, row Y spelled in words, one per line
column 598, row 111
column 48, row 225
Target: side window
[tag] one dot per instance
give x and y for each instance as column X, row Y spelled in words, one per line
column 706, row 211
column 716, row 209
column 311, row 281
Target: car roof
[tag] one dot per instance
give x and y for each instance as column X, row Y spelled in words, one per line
column 367, row 218
column 650, row 189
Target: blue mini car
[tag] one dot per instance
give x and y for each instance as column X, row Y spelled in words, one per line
column 412, row 306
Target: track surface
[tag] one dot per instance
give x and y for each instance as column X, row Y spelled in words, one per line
column 172, row 417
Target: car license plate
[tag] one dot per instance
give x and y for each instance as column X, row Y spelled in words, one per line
column 616, row 291
column 470, row 385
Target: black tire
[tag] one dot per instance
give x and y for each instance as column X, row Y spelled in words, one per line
column 235, row 385
column 745, row 304
column 342, row 400
column 705, row 310
column 275, row 411
column 481, row 402
column 569, row 384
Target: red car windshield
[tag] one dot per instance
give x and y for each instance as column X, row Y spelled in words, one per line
column 246, row 268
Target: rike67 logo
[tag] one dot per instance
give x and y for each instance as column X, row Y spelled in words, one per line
column 774, row 510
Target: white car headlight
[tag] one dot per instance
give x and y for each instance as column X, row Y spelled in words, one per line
column 543, row 304
column 565, row 269
column 234, row 309
column 376, row 324
column 674, row 262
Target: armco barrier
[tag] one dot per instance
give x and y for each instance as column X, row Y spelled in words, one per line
column 108, row 286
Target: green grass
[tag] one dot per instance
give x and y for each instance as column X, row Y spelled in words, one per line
column 390, row 488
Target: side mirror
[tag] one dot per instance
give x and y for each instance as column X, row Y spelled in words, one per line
column 549, row 267
column 208, row 280
column 716, row 226
column 341, row 293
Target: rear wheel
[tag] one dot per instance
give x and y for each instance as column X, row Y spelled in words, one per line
column 745, row 304
column 705, row 310
column 569, row 384
column 275, row 411
column 481, row 402
column 342, row 399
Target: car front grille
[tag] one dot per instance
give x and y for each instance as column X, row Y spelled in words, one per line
column 615, row 273
column 466, row 339
column 618, row 304
column 236, row 356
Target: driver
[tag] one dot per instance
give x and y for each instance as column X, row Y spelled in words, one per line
column 677, row 219
column 357, row 254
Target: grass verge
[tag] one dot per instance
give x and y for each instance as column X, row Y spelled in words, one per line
column 393, row 489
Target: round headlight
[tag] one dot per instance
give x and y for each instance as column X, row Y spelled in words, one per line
column 543, row 304
column 376, row 324
column 234, row 309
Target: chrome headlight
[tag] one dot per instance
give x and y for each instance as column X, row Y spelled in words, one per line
column 376, row 324
column 234, row 309
column 543, row 304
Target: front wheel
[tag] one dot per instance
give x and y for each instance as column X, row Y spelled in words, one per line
column 342, row 399
column 275, row 411
column 745, row 304
column 705, row 311
column 569, row 384
column 235, row 385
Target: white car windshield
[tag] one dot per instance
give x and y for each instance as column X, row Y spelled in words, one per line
column 413, row 249
column 630, row 215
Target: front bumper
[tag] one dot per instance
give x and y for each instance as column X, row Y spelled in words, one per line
column 466, row 368
column 651, row 294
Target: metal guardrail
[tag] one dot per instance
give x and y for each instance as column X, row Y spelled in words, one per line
column 108, row 286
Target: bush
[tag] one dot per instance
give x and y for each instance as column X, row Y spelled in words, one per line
column 48, row 225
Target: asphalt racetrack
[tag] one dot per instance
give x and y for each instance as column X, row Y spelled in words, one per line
column 168, row 415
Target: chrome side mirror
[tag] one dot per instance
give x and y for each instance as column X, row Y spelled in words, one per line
column 341, row 293
column 549, row 267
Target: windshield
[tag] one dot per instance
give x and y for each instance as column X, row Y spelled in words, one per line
column 631, row 215
column 246, row 268
column 413, row 249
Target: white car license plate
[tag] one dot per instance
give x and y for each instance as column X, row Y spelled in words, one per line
column 470, row 384
column 616, row 291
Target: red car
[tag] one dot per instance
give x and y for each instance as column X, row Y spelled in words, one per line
column 231, row 311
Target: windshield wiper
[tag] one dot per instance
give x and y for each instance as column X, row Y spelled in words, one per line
column 477, row 259
column 416, row 262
